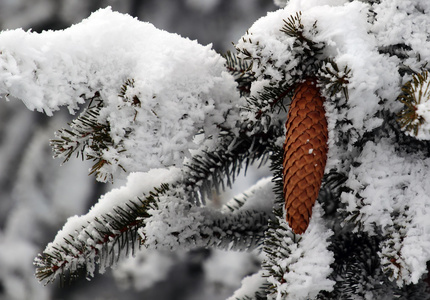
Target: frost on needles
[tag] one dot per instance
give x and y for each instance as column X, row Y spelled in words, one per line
column 180, row 121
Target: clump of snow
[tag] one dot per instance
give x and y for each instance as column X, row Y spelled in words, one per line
column 172, row 224
column 307, row 262
column 251, row 198
column 181, row 87
column 85, row 228
column 373, row 75
column 249, row 286
column 394, row 197
column 404, row 21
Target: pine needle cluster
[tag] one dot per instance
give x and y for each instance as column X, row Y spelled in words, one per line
column 87, row 137
column 414, row 92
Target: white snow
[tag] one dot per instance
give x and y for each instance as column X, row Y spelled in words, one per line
column 307, row 262
column 249, row 285
column 395, row 194
column 262, row 189
column 183, row 90
column 373, row 74
column 182, row 87
column 392, row 187
column 421, row 94
column 138, row 185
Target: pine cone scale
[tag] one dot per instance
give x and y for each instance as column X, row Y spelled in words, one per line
column 305, row 154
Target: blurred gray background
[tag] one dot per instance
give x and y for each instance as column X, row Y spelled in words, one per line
column 37, row 195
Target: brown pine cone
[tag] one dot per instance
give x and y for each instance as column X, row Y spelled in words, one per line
column 305, row 154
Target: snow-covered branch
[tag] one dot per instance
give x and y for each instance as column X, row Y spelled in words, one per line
column 139, row 72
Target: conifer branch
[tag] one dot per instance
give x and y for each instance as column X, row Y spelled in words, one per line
column 241, row 71
column 184, row 226
column 88, row 137
column 102, row 240
column 242, row 230
column 304, row 51
column 310, row 50
column 219, row 168
column 414, row 92
column 332, row 79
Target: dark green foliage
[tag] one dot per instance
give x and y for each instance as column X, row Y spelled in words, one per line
column 357, row 269
column 241, row 230
column 276, row 161
column 134, row 100
column 219, row 168
column 329, row 197
column 358, row 274
column 305, row 50
column 242, row 72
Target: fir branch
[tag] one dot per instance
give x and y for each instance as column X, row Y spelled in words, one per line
column 219, row 168
column 102, row 241
column 243, row 230
column 88, row 137
column 235, row 203
column 127, row 94
column 356, row 266
column 414, row 92
column 332, row 79
column 178, row 225
column 241, row 71
column 310, row 50
column 277, row 248
column 276, row 160
column 124, row 93
column 305, row 53
column 271, row 98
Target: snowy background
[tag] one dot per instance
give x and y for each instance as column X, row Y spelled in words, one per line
column 37, row 195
